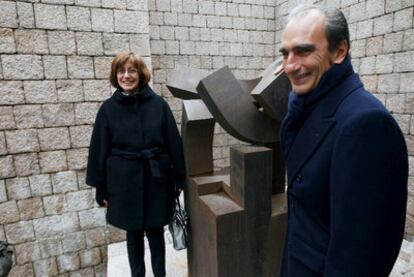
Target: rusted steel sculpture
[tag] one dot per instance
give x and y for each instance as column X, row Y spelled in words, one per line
column 237, row 220
column 197, row 130
column 234, row 109
column 271, row 92
column 182, row 82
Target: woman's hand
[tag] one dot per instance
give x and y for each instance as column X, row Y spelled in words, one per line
column 101, row 197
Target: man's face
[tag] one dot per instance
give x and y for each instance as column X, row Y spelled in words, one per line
column 305, row 51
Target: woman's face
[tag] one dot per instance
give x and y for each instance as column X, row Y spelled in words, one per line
column 128, row 77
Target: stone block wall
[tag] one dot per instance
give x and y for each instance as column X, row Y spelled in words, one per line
column 382, row 50
column 208, row 35
column 54, row 64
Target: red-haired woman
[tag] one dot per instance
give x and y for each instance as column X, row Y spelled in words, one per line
column 136, row 161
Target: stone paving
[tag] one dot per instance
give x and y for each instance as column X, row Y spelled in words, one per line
column 177, row 260
column 405, row 262
column 118, row 260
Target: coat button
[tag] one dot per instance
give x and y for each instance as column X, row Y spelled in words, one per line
column 299, row 178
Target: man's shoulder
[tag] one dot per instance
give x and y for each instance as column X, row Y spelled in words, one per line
column 363, row 109
column 360, row 101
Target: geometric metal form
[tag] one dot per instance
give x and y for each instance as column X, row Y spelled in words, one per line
column 197, row 130
column 239, row 116
column 234, row 108
column 238, row 220
column 251, row 177
column 237, row 226
column 182, row 81
column 278, row 170
column 249, row 85
column 251, row 182
column 272, row 92
column 215, row 224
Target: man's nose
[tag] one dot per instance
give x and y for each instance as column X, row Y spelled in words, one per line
column 291, row 64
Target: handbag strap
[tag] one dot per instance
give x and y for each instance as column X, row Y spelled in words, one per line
column 179, row 209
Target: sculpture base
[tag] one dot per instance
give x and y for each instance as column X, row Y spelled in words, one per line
column 233, row 232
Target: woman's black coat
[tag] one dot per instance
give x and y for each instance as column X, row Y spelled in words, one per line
column 136, row 157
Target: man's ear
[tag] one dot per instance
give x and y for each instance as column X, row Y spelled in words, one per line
column 341, row 52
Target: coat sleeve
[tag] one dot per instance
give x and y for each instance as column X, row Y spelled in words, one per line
column 174, row 147
column 368, row 190
column 99, row 151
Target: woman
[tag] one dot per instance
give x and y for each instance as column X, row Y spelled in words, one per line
column 136, row 161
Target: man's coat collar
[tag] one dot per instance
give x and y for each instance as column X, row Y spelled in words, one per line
column 318, row 125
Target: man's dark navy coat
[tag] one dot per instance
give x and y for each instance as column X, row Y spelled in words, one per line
column 347, row 168
column 137, row 198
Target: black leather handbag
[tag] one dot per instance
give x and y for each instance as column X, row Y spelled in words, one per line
column 178, row 226
column 5, row 259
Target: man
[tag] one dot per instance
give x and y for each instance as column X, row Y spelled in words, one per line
column 345, row 155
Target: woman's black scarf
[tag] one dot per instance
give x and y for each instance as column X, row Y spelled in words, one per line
column 300, row 106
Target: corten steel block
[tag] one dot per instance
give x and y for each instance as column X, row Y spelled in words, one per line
column 182, row 81
column 216, row 244
column 234, row 108
column 223, row 238
column 237, row 229
column 275, row 240
column 251, row 177
column 278, row 170
column 248, row 85
column 272, row 92
column 251, row 180
column 197, row 130
column 201, row 257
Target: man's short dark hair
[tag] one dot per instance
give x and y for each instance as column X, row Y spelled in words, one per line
column 336, row 26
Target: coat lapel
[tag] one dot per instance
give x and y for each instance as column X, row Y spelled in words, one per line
column 318, row 125
column 307, row 141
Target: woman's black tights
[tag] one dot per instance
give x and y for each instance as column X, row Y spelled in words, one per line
column 135, row 247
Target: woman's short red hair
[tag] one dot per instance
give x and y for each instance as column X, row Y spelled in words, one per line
column 139, row 64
